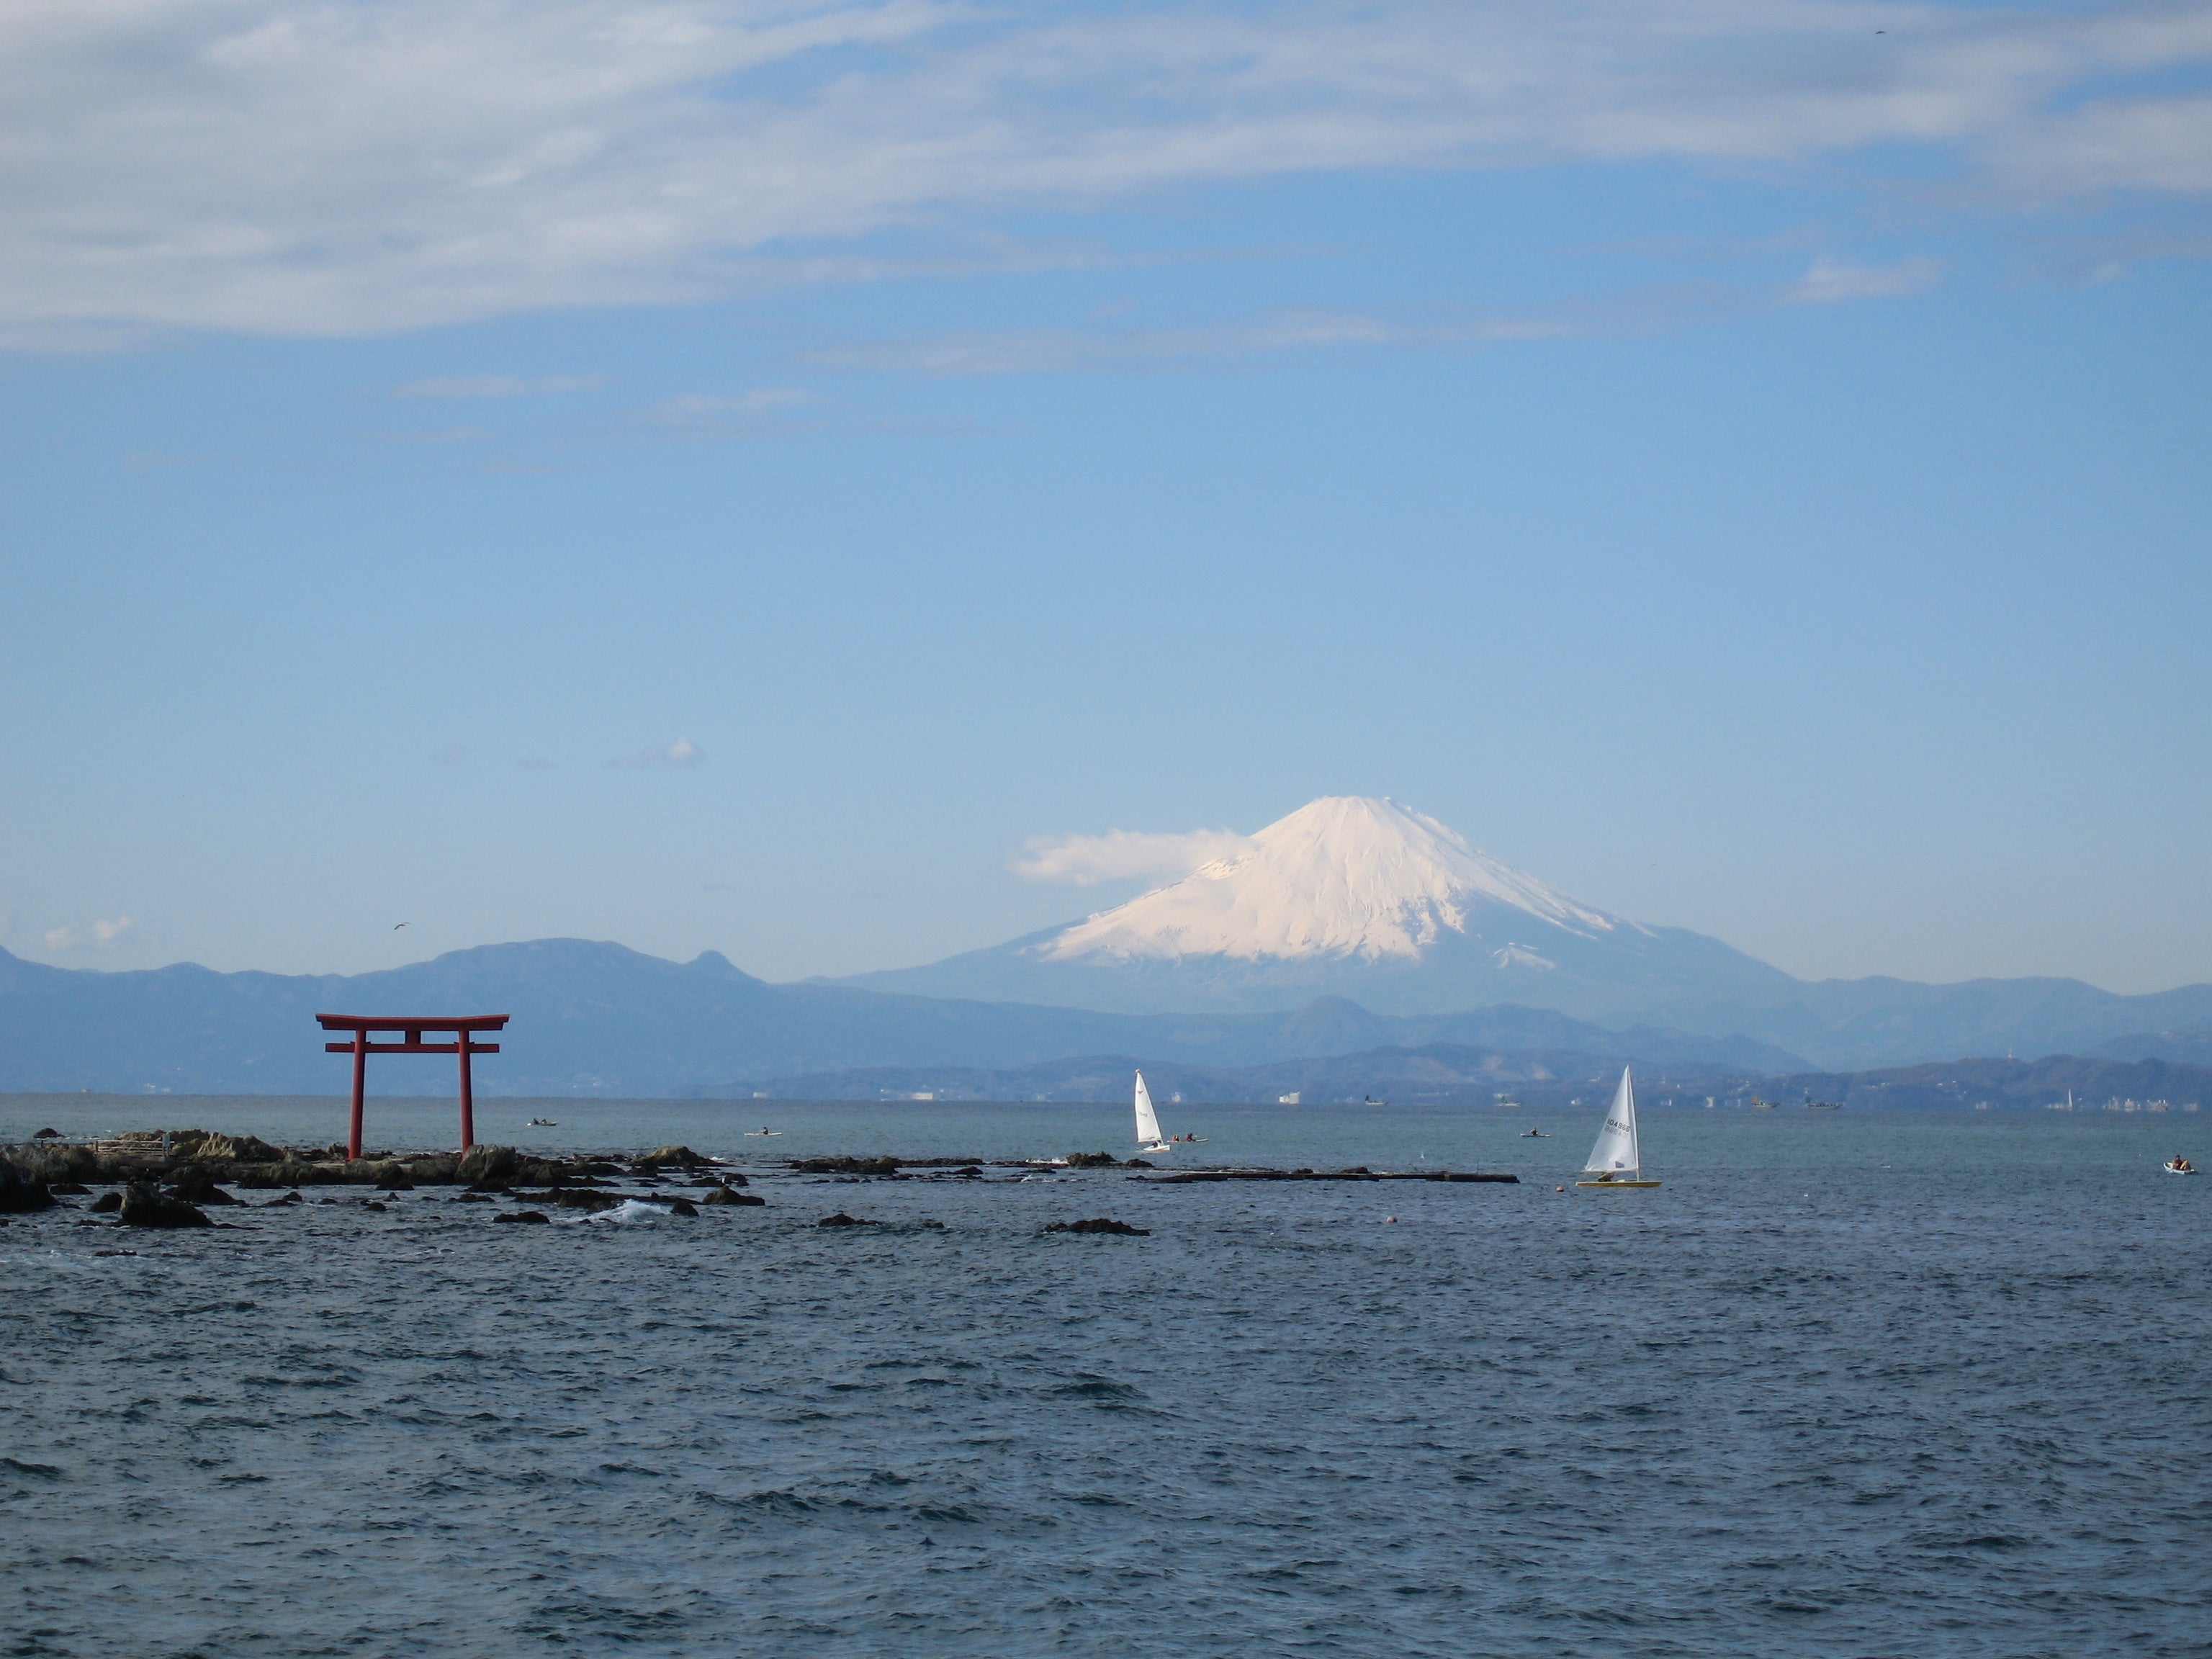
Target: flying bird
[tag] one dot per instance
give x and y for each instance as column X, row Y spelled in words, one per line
column 397, row 925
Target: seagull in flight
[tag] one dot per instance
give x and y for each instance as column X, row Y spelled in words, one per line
column 397, row 925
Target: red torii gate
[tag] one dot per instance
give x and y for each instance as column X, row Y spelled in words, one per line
column 360, row 1049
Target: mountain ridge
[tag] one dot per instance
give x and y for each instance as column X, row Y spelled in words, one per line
column 1368, row 900
column 1451, row 1074
column 597, row 1018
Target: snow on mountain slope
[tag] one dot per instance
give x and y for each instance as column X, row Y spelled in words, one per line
column 1343, row 876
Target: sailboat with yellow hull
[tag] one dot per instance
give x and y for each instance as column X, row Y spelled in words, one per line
column 1615, row 1160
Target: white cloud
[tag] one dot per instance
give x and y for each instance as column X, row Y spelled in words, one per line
column 498, row 386
column 1058, row 350
column 704, row 412
column 104, row 933
column 1119, row 854
column 682, row 752
column 303, row 166
column 1831, row 280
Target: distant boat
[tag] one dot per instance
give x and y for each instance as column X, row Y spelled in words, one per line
column 2178, row 1165
column 1149, row 1139
column 763, row 1130
column 542, row 1123
column 1533, row 1135
column 1371, row 1101
column 1615, row 1161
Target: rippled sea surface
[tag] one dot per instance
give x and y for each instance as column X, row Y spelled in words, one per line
column 1846, row 1385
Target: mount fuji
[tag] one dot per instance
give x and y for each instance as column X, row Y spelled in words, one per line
column 1356, row 898
column 1369, row 901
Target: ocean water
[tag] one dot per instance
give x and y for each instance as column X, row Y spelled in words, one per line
column 1847, row 1384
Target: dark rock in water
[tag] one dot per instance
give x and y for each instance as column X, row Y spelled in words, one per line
column 238, row 1148
column 68, row 1189
column 875, row 1166
column 682, row 1206
column 724, row 1195
column 47, row 1135
column 289, row 1198
column 538, row 1216
column 670, row 1158
column 107, row 1204
column 840, row 1219
column 144, row 1205
column 1099, row 1224
column 1092, row 1161
column 1138, row 1163
column 372, row 1204
column 482, row 1165
column 733, row 1179
column 1461, row 1175
column 592, row 1203
column 19, row 1194
column 196, row 1185
column 475, row 1198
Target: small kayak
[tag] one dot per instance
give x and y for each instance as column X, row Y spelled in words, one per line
column 2178, row 1166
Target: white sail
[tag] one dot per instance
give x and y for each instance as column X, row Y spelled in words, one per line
column 1615, row 1152
column 1148, row 1120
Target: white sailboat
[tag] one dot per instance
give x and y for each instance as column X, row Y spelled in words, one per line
column 1149, row 1139
column 1615, row 1161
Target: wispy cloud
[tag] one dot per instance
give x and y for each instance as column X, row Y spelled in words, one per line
column 682, row 752
column 498, row 386
column 446, row 435
column 1633, row 311
column 1120, row 854
column 286, row 168
column 698, row 413
column 1831, row 281
column 104, row 933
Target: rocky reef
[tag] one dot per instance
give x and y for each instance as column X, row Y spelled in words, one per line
column 171, row 1178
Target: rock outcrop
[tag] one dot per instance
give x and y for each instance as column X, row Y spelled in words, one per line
column 19, row 1194
column 857, row 1166
column 1099, row 1224
column 482, row 1166
column 144, row 1205
column 196, row 1184
column 670, row 1158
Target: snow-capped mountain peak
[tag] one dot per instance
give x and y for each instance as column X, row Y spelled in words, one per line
column 1343, row 876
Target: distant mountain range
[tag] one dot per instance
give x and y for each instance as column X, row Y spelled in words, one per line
column 1448, row 1075
column 1349, row 927
column 1369, row 901
column 592, row 1018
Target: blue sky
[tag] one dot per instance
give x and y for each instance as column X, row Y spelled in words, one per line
column 735, row 475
